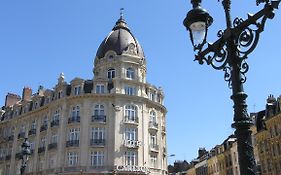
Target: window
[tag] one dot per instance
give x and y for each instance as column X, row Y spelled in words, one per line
column 75, row 111
column 110, row 73
column 45, row 121
column 153, row 160
column 99, row 110
column 153, row 141
column 56, row 115
column 72, row 158
column 33, row 124
column 100, row 89
column 60, row 94
column 152, row 117
column 129, row 90
column 32, row 145
column 131, row 113
column 43, row 142
column 74, row 134
column 131, row 158
column 130, row 134
column 152, row 96
column 97, row 158
column 54, row 138
column 98, row 133
column 130, row 73
column 77, row 90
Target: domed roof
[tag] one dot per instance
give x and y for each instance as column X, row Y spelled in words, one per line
column 118, row 40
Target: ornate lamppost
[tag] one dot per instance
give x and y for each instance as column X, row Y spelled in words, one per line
column 229, row 53
column 24, row 155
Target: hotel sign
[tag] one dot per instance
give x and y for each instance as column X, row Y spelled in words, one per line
column 132, row 168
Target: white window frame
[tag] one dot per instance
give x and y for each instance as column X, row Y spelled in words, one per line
column 130, row 134
column 131, row 112
column 130, row 73
column 97, row 133
column 130, row 90
column 72, row 158
column 77, row 90
column 153, row 160
column 100, row 89
column 99, row 110
column 97, row 158
column 54, row 138
column 130, row 158
column 73, row 134
column 153, row 117
column 56, row 115
column 75, row 111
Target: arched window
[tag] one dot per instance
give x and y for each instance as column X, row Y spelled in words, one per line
column 130, row 73
column 131, row 113
column 99, row 110
column 111, row 73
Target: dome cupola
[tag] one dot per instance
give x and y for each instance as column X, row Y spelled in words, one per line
column 120, row 40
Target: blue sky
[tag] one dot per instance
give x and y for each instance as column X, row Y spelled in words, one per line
column 41, row 39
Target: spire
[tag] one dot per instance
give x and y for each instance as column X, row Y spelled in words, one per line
column 121, row 23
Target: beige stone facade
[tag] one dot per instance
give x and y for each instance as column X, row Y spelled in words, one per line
column 114, row 123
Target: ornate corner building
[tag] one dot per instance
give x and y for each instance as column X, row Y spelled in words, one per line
column 112, row 124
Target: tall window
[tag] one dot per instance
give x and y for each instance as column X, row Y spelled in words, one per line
column 32, row 145
column 77, row 90
column 97, row 158
column 130, row 73
column 33, row 124
column 130, row 158
column 54, row 138
column 129, row 90
column 152, row 117
column 72, row 158
column 110, row 73
column 43, row 142
column 130, row 134
column 98, row 133
column 56, row 115
column 75, row 111
column 131, row 113
column 153, row 141
column 99, row 110
column 45, row 121
column 100, row 89
column 73, row 134
column 60, row 94
column 153, row 160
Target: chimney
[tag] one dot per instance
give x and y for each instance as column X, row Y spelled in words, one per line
column 11, row 99
column 26, row 94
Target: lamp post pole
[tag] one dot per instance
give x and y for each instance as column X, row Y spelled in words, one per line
column 229, row 53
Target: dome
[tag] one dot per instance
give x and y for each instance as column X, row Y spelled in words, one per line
column 118, row 40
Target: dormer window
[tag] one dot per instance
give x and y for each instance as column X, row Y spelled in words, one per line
column 111, row 73
column 77, row 90
column 130, row 73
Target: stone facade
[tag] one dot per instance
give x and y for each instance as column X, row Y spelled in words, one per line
column 114, row 123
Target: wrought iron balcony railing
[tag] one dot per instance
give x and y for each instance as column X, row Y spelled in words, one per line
column 97, row 142
column 75, row 119
column 55, row 123
column 32, row 131
column 21, row 135
column 44, row 127
column 72, row 143
column 99, row 118
column 41, row 149
column 52, row 146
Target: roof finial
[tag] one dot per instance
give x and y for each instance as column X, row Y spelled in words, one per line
column 121, row 13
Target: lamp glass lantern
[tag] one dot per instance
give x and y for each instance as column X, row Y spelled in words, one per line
column 197, row 22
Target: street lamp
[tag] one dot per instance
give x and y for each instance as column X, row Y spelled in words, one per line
column 229, row 53
column 25, row 152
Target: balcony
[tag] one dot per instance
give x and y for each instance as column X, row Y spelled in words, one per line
column 21, row 135
column 18, row 155
column 74, row 119
column 8, row 157
column 44, row 127
column 41, row 149
column 97, row 142
column 153, row 125
column 72, row 143
column 99, row 118
column 154, row 148
column 55, row 123
column 52, row 146
column 132, row 143
column 131, row 120
column 32, row 132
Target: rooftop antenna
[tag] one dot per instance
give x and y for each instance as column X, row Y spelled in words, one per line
column 121, row 13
